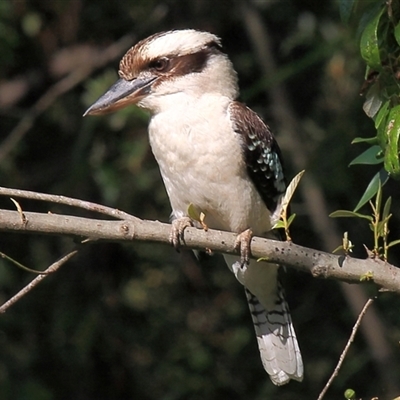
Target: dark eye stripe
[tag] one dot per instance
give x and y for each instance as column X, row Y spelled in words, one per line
column 183, row 65
column 189, row 63
column 131, row 65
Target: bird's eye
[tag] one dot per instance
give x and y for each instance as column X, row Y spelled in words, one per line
column 160, row 64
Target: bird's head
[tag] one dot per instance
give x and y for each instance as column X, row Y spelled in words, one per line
column 158, row 70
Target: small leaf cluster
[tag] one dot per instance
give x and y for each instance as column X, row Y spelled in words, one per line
column 378, row 24
column 378, row 223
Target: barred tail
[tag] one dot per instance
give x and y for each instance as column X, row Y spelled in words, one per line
column 279, row 350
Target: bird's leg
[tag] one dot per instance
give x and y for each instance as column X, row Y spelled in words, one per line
column 242, row 243
column 178, row 227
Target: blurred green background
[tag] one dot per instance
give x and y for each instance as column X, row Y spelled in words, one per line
column 133, row 321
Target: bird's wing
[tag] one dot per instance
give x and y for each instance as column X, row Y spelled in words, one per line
column 279, row 350
column 261, row 154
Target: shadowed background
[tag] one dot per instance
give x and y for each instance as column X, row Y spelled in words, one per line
column 133, row 321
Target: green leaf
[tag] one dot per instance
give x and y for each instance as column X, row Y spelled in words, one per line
column 291, row 189
column 394, row 243
column 397, row 33
column 372, row 141
column 279, row 224
column 371, row 226
column 337, row 249
column 372, row 188
column 346, row 8
column 380, row 228
column 381, row 134
column 373, row 101
column 382, row 114
column 369, row 156
column 349, row 214
column 369, row 45
column 290, row 219
column 386, row 208
column 193, row 212
column 378, row 198
column 349, row 394
column 392, row 162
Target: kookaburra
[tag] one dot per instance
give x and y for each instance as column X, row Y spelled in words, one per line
column 217, row 155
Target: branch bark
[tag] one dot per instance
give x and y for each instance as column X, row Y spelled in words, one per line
column 320, row 264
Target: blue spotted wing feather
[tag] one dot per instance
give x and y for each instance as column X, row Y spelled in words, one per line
column 261, row 154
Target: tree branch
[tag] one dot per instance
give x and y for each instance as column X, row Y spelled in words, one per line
column 346, row 349
column 320, row 264
column 68, row 201
column 53, row 268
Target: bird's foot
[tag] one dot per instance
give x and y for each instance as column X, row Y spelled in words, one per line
column 242, row 243
column 178, row 227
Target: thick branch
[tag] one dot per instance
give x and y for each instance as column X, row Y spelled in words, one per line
column 318, row 263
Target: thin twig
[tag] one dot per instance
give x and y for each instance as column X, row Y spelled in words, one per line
column 53, row 268
column 346, row 349
column 69, row 201
column 19, row 265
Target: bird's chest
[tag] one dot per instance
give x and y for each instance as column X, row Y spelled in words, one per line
column 194, row 151
column 189, row 146
column 201, row 163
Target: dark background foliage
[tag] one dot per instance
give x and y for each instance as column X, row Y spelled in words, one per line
column 133, row 321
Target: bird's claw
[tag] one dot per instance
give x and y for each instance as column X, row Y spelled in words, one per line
column 178, row 227
column 242, row 244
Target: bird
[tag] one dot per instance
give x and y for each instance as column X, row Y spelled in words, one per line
column 218, row 157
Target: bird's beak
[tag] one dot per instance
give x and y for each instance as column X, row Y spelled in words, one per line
column 121, row 94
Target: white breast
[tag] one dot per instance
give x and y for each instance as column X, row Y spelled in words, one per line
column 201, row 163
